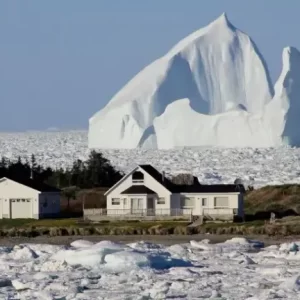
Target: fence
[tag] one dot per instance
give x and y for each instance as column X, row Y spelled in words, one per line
column 151, row 214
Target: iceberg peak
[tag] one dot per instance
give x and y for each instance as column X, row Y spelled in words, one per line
column 222, row 19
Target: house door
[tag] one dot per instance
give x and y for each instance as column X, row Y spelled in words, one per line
column 137, row 206
column 150, row 207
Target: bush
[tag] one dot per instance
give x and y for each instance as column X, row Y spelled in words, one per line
column 184, row 179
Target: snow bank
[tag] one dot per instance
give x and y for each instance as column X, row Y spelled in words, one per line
column 226, row 97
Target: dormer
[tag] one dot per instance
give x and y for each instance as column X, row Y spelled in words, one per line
column 137, row 177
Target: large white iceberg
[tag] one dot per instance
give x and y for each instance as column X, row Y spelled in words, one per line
column 212, row 89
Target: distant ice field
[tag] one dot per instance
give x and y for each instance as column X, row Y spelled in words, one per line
column 257, row 167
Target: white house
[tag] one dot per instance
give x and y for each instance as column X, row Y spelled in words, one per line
column 145, row 191
column 27, row 198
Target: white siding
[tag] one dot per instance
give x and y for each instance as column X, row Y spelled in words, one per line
column 233, row 201
column 149, row 182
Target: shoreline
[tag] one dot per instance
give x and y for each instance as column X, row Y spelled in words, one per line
column 166, row 240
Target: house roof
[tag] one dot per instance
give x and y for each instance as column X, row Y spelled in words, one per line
column 196, row 187
column 159, row 177
column 34, row 184
column 138, row 189
column 210, row 188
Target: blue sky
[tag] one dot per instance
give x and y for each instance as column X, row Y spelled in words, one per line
column 61, row 61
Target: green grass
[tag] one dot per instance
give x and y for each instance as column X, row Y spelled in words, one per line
column 8, row 223
column 24, row 223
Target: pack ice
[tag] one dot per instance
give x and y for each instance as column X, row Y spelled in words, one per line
column 212, row 89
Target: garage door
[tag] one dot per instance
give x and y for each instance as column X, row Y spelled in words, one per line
column 20, row 208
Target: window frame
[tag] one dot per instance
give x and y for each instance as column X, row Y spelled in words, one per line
column 161, row 201
column 115, row 201
column 183, row 202
column 222, row 206
column 138, row 180
column 204, row 203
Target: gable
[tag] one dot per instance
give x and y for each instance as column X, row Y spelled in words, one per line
column 140, row 176
column 13, row 189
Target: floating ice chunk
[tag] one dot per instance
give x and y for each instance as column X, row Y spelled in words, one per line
column 144, row 246
column 42, row 249
column 110, row 245
column 292, row 283
column 178, row 250
column 18, row 285
column 44, row 295
column 272, row 271
column 81, row 244
column 23, row 253
column 53, row 266
column 91, row 256
column 127, row 260
column 200, row 245
column 288, row 246
column 40, row 276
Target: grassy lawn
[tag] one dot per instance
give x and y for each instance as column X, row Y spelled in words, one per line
column 8, row 223
column 22, row 223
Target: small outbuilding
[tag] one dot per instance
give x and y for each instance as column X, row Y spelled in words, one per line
column 28, row 199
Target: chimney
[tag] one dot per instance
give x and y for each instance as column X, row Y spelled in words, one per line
column 163, row 176
column 31, row 173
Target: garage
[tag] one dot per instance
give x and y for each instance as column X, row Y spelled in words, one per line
column 20, row 208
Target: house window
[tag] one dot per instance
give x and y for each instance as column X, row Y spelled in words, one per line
column 137, row 204
column 137, row 177
column 115, row 201
column 20, row 200
column 221, row 202
column 187, row 201
column 204, row 201
column 161, row 201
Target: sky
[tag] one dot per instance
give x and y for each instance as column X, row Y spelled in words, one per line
column 62, row 61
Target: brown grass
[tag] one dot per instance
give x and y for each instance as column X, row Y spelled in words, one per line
column 281, row 198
